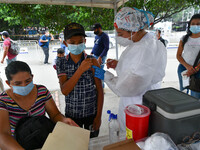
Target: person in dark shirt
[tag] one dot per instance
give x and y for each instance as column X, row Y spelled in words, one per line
column 158, row 32
column 83, row 91
column 101, row 45
column 46, row 38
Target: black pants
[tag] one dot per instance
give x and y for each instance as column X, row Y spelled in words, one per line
column 46, row 53
column 87, row 123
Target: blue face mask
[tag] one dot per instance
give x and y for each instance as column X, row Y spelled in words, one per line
column 195, row 29
column 76, row 49
column 23, row 90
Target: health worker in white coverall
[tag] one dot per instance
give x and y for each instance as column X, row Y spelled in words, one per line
column 142, row 64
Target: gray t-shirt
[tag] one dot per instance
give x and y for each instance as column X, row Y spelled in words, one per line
column 191, row 50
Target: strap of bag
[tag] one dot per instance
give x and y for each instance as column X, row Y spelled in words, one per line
column 196, row 60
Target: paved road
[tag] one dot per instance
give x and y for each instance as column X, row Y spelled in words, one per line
column 46, row 75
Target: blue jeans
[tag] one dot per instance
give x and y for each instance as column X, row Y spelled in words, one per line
column 181, row 68
column 63, row 46
column 102, row 66
column 10, row 60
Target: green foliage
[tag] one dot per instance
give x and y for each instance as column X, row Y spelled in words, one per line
column 162, row 9
column 55, row 17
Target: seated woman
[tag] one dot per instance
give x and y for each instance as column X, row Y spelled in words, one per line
column 23, row 99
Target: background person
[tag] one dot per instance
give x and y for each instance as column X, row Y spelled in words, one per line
column 46, row 38
column 24, row 99
column 101, row 45
column 159, row 37
column 6, row 47
column 62, row 45
column 60, row 53
column 188, row 49
column 141, row 65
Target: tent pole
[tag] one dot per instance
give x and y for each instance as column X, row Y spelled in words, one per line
column 116, row 46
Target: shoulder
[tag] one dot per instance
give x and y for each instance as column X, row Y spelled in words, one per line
column 182, row 38
column 43, row 36
column 90, row 56
column 95, row 62
column 4, row 97
column 7, row 41
column 61, row 60
column 41, row 88
column 105, row 35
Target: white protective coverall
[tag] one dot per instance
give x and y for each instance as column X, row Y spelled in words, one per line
column 140, row 68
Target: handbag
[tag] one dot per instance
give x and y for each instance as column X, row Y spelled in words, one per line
column 41, row 44
column 194, row 83
column 31, row 132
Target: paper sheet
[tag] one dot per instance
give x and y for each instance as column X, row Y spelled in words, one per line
column 185, row 79
column 66, row 137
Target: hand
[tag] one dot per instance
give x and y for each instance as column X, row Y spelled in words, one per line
column 70, row 122
column 99, row 60
column 2, row 61
column 190, row 70
column 86, row 64
column 111, row 63
column 99, row 72
column 96, row 123
column 47, row 40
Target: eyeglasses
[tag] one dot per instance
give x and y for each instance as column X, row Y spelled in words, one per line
column 189, row 140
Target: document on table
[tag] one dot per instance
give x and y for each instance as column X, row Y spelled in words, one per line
column 66, row 137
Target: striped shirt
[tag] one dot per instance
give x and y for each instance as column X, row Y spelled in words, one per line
column 16, row 112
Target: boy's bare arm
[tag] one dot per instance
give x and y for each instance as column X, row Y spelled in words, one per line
column 100, row 98
column 67, row 86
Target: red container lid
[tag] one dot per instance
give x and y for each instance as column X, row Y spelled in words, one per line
column 137, row 110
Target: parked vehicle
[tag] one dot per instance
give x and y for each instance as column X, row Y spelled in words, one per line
column 91, row 37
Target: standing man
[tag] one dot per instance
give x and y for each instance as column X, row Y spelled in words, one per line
column 158, row 35
column 46, row 38
column 6, row 47
column 62, row 45
column 101, row 45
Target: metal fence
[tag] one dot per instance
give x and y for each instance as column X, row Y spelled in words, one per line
column 30, row 50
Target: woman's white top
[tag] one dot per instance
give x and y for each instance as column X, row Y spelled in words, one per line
column 191, row 50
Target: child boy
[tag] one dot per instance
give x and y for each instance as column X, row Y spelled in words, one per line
column 83, row 92
column 60, row 53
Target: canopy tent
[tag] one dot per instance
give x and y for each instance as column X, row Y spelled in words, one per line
column 111, row 4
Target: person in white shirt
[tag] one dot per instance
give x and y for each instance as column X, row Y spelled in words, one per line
column 188, row 49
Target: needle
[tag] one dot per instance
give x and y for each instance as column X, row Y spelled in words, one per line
column 106, row 62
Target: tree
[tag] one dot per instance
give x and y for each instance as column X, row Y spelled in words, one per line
column 55, row 17
column 163, row 8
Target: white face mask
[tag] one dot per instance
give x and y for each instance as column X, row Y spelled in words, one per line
column 124, row 41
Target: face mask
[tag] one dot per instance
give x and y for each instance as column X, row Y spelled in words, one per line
column 23, row 90
column 195, row 29
column 76, row 49
column 97, row 32
column 124, row 41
